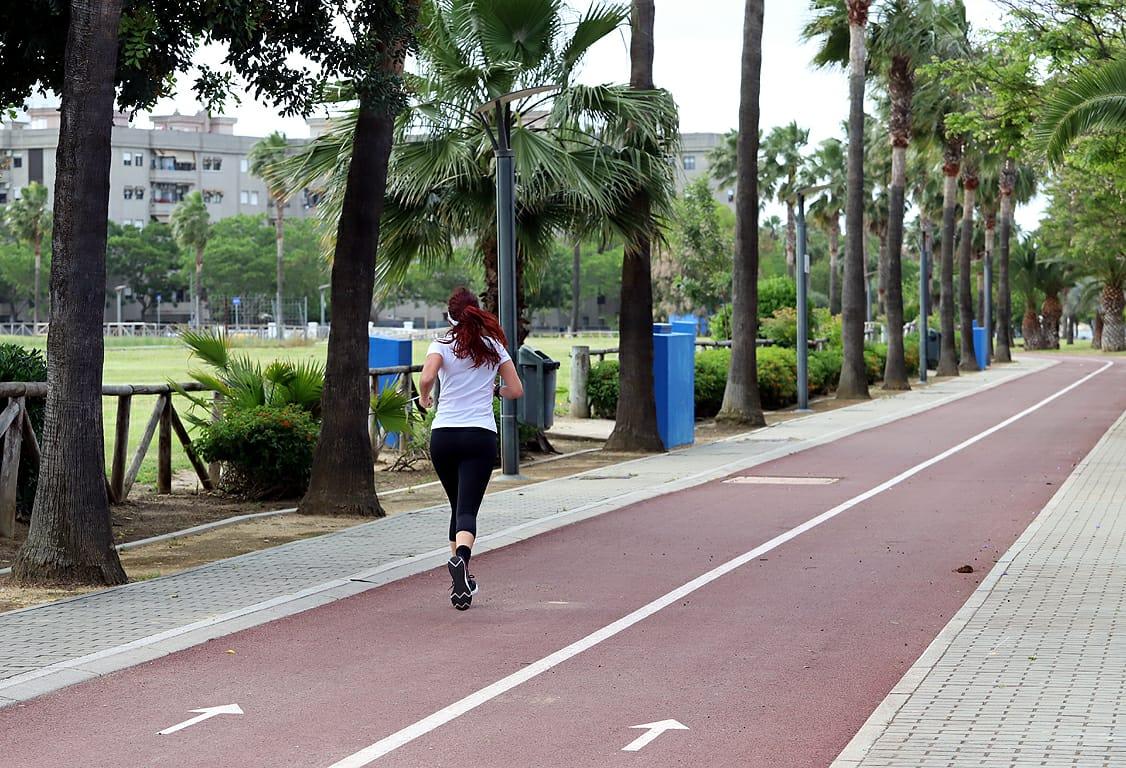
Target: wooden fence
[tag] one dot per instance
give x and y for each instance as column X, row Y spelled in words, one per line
column 21, row 444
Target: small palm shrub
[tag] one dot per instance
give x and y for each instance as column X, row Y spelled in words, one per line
column 602, row 389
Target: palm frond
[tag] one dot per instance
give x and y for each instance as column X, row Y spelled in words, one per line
column 389, row 409
column 600, row 20
column 1093, row 100
column 211, row 348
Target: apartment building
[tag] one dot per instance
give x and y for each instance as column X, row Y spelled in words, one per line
column 694, row 149
column 153, row 168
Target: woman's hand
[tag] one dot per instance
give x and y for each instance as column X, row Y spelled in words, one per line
column 426, row 401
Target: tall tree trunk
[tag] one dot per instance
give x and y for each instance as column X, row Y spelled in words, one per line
column 947, row 365
column 343, row 479
column 1003, row 353
column 834, row 278
column 965, row 271
column 1030, row 327
column 490, row 299
column 1069, row 325
column 854, row 374
column 881, row 269
column 1097, row 328
column 635, row 424
column 988, row 301
column 742, row 402
column 576, row 285
column 38, row 270
column 523, row 322
column 1113, row 335
column 70, row 538
column 895, row 371
column 791, row 241
column 279, row 244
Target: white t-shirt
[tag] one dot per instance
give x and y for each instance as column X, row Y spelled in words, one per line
column 466, row 396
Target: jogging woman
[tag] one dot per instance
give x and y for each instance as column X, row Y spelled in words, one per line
column 463, row 438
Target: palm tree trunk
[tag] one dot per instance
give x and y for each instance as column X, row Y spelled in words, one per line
column 1004, row 286
column 635, row 424
column 1051, row 312
column 947, row 365
column 38, row 270
column 742, row 402
column 834, row 281
column 987, row 266
column 895, row 371
column 965, row 270
column 1113, row 335
column 854, row 375
column 576, row 285
column 70, row 538
column 279, row 244
column 490, row 299
column 1030, row 328
column 343, row 480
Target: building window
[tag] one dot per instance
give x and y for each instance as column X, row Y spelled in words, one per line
column 212, row 163
column 254, row 198
column 244, row 165
column 128, row 193
column 3, row 198
column 127, row 157
column 17, row 160
column 138, row 159
column 212, row 196
column 244, row 197
column 139, row 223
column 689, row 162
column 139, row 192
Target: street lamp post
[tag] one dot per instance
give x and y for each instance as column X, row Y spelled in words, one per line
column 322, row 289
column 500, row 110
column 120, row 289
column 803, row 300
column 924, row 310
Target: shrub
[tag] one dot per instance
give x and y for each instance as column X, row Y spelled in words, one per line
column 266, row 451
column 777, row 377
column 774, row 293
column 720, row 325
column 825, row 370
column 602, row 389
column 911, row 353
column 875, row 359
column 22, row 364
column 781, row 327
column 711, row 380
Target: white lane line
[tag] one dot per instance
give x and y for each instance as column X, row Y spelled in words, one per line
column 384, row 746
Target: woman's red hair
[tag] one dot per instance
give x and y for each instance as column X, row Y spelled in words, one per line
column 474, row 328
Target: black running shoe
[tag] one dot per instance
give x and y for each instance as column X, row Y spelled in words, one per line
column 472, row 585
column 461, row 593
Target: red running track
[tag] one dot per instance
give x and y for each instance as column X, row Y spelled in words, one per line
column 775, row 664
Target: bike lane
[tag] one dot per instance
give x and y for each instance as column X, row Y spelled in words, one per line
column 784, row 657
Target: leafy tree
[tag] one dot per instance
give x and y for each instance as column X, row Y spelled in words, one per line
column 742, row 400
column 1094, row 100
column 17, row 276
column 29, row 219
column 265, row 160
column 147, row 260
column 191, row 228
column 701, row 246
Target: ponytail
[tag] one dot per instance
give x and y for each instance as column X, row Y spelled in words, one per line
column 472, row 328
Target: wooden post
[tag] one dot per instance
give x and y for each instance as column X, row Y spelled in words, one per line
column 186, row 441
column 405, row 386
column 143, row 448
column 120, row 445
column 580, row 373
column 214, row 469
column 11, row 424
column 164, row 449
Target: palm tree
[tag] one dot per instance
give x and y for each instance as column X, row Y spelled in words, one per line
column 1017, row 183
column 1054, row 277
column 1026, row 279
column 970, row 184
column 723, row 160
column 1093, row 100
column 265, row 161
column 951, row 165
column 190, row 227
column 827, row 26
column 30, row 221
column 742, row 402
column 780, row 164
column 827, row 169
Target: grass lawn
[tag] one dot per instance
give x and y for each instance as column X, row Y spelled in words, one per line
column 157, row 360
column 1078, row 348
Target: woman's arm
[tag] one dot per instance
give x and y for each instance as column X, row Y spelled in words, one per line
column 511, row 387
column 426, row 381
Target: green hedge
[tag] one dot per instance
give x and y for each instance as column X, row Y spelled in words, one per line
column 18, row 363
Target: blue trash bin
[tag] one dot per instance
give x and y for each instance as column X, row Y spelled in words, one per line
column 981, row 347
column 384, row 352
column 674, row 380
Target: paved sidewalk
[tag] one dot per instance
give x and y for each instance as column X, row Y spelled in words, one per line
column 1030, row 672
column 50, row 646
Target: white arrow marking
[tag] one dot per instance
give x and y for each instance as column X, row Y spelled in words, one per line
column 204, row 714
column 655, row 730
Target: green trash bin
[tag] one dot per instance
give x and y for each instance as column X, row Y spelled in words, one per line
column 537, row 407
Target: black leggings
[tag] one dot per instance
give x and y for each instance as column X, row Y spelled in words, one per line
column 463, row 458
